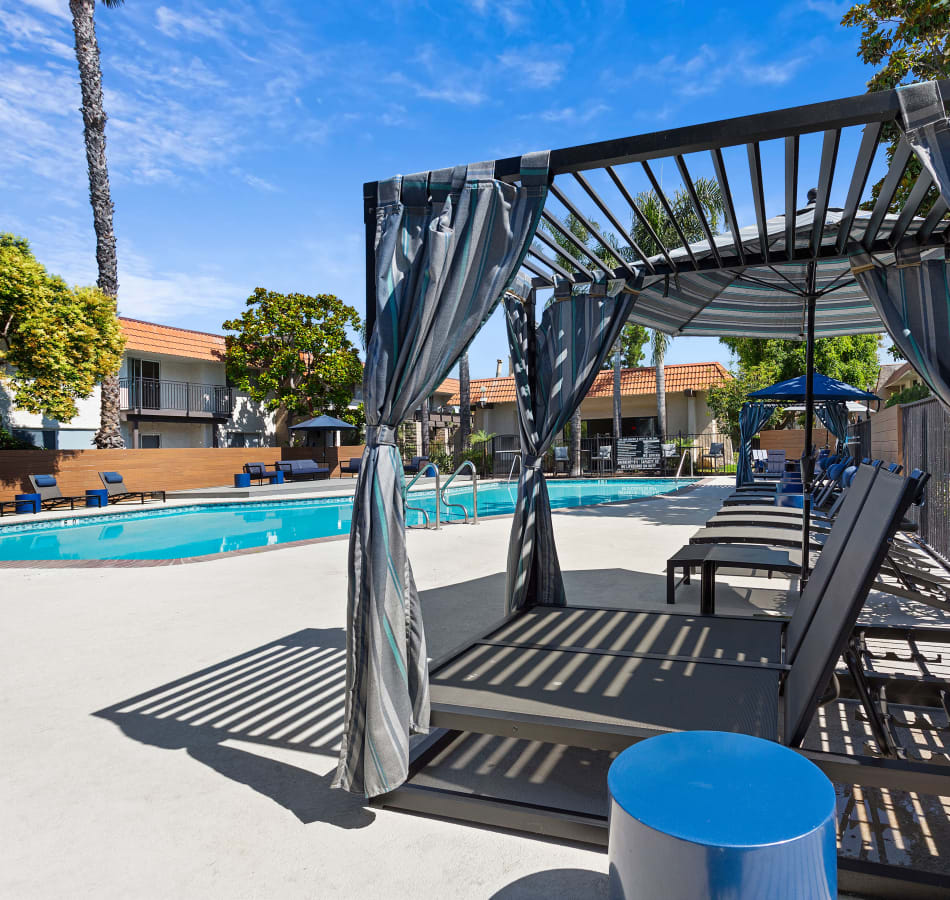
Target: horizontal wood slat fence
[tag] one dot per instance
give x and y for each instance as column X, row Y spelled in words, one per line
column 792, row 440
column 143, row 470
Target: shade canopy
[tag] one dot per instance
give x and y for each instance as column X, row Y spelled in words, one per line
column 824, row 387
column 322, row 423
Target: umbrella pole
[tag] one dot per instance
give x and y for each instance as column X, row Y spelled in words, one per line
column 807, row 464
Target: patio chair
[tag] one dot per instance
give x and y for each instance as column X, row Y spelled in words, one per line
column 301, row 469
column 604, row 459
column 759, row 461
column 257, row 471
column 716, row 455
column 119, row 493
column 668, row 456
column 50, row 495
column 562, row 459
column 352, row 466
column 412, row 467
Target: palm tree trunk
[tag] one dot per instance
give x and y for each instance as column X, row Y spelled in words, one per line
column 109, row 435
column 660, row 396
column 465, row 406
column 425, row 428
column 618, row 413
column 576, row 443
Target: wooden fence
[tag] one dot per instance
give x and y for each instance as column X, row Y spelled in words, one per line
column 792, row 440
column 170, row 470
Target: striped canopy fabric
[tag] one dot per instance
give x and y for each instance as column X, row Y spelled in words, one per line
column 554, row 367
column 764, row 300
column 752, row 417
column 448, row 243
column 913, row 297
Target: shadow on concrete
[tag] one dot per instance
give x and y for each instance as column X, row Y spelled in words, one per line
column 556, row 883
column 286, row 695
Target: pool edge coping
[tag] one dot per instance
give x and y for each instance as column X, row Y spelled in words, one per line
column 210, row 557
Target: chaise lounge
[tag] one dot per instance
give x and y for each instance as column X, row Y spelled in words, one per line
column 119, row 493
column 51, row 496
column 301, row 469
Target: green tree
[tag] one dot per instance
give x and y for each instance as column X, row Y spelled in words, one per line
column 57, row 341
column 852, row 359
column 109, row 435
column 906, row 41
column 293, row 353
column 665, row 228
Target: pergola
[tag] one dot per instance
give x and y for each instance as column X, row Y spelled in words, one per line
column 805, row 273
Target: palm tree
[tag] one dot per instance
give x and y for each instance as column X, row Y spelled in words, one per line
column 664, row 226
column 109, row 436
column 576, row 443
column 465, row 406
column 659, row 343
column 617, row 410
column 425, row 428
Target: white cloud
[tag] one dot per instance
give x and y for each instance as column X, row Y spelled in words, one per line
column 537, row 65
column 58, row 8
column 829, row 8
column 570, row 115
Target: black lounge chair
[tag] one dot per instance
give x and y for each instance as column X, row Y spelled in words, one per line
column 301, row 469
column 119, row 493
column 352, row 466
column 51, row 497
column 258, row 471
column 412, row 468
column 606, row 678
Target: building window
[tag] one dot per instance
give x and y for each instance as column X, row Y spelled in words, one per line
column 245, row 439
column 150, row 441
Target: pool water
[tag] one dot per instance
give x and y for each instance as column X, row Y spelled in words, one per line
column 203, row 529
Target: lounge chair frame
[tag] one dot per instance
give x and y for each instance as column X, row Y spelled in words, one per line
column 127, row 496
column 51, row 497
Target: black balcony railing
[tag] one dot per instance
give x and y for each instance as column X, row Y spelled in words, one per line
column 175, row 397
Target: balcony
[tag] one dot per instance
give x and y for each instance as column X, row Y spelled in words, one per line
column 158, row 398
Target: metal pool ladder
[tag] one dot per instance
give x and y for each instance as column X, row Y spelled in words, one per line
column 468, row 464
column 416, row 477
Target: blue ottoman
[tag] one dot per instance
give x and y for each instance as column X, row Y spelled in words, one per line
column 276, row 477
column 242, row 479
column 704, row 814
column 97, row 497
column 27, row 503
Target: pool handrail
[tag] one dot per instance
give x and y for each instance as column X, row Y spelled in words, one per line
column 466, row 464
column 415, row 478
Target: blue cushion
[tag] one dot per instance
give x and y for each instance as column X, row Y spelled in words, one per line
column 112, row 478
column 44, row 480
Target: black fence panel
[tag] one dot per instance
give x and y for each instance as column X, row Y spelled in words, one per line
column 926, row 441
column 859, row 439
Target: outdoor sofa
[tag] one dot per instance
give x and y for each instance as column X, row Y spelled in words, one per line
column 301, row 469
column 352, row 466
column 258, row 471
column 119, row 493
column 412, row 468
column 51, row 496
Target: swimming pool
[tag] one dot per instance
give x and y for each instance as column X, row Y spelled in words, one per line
column 203, row 529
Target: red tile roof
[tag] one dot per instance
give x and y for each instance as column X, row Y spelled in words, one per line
column 148, row 337
column 633, row 382
column 449, row 386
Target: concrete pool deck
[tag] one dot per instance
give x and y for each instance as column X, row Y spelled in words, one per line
column 138, row 763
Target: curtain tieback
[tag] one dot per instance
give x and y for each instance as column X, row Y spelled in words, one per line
column 380, row 435
column 531, row 462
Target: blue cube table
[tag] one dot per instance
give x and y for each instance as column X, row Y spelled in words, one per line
column 707, row 814
column 97, row 497
column 28, row 503
column 242, row 479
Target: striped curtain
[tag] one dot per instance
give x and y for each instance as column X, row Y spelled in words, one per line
column 447, row 245
column 834, row 416
column 912, row 298
column 554, row 367
column 752, row 417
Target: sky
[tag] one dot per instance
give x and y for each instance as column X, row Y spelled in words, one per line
column 240, row 134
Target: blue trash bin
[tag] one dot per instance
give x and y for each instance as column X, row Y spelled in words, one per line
column 242, row 479
column 97, row 497
column 703, row 814
column 27, row 503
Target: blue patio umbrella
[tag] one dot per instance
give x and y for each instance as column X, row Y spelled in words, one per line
column 824, row 389
column 322, row 423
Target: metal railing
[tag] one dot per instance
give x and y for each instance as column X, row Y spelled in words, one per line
column 926, row 442
column 468, row 464
column 185, row 397
column 423, row 469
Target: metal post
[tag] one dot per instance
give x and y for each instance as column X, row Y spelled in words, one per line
column 807, row 464
column 438, row 493
column 474, row 497
column 369, row 219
